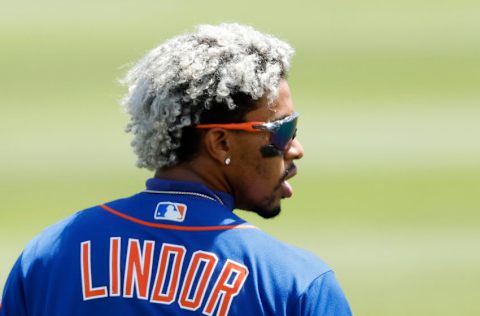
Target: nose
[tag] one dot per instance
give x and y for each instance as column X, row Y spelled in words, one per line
column 295, row 151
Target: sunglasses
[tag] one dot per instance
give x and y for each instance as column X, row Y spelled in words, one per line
column 283, row 131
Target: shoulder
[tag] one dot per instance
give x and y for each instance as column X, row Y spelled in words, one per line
column 266, row 248
column 292, row 279
column 270, row 258
column 91, row 221
column 301, row 263
column 47, row 243
column 309, row 283
column 57, row 240
column 323, row 296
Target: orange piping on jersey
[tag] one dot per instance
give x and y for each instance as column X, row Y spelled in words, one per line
column 175, row 227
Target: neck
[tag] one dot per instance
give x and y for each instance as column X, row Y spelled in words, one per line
column 196, row 171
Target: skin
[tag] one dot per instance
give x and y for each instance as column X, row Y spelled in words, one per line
column 256, row 183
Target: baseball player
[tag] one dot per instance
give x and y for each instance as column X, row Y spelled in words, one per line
column 212, row 114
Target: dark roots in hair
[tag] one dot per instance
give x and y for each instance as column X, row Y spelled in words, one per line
column 218, row 113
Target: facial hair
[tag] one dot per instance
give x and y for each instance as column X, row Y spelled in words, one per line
column 270, row 212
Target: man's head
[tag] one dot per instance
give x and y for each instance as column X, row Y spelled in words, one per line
column 219, row 74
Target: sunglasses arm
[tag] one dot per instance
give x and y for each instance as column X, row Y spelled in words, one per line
column 248, row 126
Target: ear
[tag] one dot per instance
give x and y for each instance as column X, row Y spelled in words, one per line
column 217, row 144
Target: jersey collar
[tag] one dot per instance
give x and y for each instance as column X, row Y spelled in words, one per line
column 156, row 184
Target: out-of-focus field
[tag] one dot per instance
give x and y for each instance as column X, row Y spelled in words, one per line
column 388, row 192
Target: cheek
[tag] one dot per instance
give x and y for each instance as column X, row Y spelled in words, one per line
column 268, row 172
column 260, row 174
column 259, row 183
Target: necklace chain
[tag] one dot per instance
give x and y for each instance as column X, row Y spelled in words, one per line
column 208, row 197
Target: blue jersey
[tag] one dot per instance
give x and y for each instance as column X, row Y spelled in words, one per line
column 174, row 249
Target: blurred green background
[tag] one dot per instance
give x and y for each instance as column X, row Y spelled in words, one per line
column 388, row 192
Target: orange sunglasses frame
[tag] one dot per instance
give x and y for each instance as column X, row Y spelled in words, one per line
column 247, row 126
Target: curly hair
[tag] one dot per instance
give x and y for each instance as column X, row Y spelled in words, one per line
column 215, row 73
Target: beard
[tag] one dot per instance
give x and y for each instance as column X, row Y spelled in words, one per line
column 267, row 213
column 269, row 209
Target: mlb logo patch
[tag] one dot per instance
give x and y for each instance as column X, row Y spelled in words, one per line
column 170, row 211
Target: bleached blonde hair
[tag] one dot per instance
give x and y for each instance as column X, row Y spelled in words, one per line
column 173, row 83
